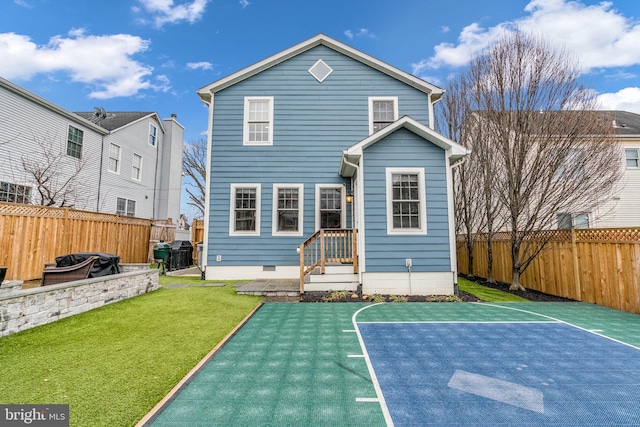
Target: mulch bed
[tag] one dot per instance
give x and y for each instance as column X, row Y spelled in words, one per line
column 347, row 296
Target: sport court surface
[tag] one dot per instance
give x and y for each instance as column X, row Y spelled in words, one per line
column 406, row 364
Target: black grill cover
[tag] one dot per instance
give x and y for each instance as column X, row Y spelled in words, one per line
column 105, row 265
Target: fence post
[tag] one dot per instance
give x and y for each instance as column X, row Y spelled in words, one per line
column 576, row 267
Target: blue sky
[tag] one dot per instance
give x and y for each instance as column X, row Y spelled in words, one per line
column 152, row 55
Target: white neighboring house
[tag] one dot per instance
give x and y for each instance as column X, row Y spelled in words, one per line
column 623, row 210
column 129, row 162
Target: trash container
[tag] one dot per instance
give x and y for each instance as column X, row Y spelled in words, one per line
column 181, row 255
column 161, row 253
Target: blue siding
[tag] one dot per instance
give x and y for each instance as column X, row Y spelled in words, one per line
column 387, row 253
column 313, row 123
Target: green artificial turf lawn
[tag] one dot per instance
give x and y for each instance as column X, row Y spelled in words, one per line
column 487, row 294
column 114, row 363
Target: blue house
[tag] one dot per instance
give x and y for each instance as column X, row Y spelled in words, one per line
column 324, row 167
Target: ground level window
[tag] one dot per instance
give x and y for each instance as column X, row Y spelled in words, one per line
column 406, row 212
column 287, row 212
column 15, row 193
column 568, row 220
column 125, row 207
column 245, row 209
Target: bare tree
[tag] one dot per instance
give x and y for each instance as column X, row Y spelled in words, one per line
column 55, row 174
column 550, row 150
column 194, row 167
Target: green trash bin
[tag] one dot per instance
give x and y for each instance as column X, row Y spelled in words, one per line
column 161, row 252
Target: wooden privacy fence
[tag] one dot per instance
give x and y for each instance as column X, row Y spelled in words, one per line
column 197, row 235
column 600, row 266
column 31, row 236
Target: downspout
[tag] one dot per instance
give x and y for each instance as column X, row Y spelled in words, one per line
column 452, row 227
column 360, row 232
column 100, row 175
column 207, row 196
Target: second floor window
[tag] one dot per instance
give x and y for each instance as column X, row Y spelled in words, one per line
column 114, row 158
column 136, row 168
column 382, row 112
column 631, row 155
column 258, row 121
column 74, row 142
column 153, row 134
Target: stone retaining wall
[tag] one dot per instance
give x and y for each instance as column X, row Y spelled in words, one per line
column 27, row 308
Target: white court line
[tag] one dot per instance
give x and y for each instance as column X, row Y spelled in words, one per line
column 560, row 321
column 349, row 330
column 460, row 322
column 374, row 379
column 355, row 355
column 367, row 399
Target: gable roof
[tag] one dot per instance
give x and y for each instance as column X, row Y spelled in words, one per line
column 625, row 123
column 51, row 106
column 206, row 92
column 352, row 155
column 118, row 119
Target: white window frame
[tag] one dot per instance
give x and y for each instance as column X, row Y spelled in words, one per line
column 573, row 217
column 246, row 133
column 274, row 228
column 232, row 209
column 637, row 159
column 16, row 193
column 422, row 230
column 127, row 205
column 153, row 135
column 118, row 160
column 343, row 204
column 382, row 98
column 134, row 168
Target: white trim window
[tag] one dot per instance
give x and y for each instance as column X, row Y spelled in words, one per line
column 244, row 212
column 631, row 158
column 330, row 203
column 258, row 120
column 75, row 139
column 572, row 220
column 288, row 209
column 382, row 112
column 153, row 134
column 125, row 207
column 15, row 193
column 406, row 204
column 114, row 158
column 136, row 167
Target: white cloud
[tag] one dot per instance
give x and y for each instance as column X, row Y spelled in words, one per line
column 597, row 35
column 627, row 99
column 166, row 12
column 244, row 3
column 362, row 32
column 23, row 3
column 203, row 65
column 104, row 63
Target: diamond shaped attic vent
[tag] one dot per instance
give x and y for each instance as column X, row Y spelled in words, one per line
column 320, row 70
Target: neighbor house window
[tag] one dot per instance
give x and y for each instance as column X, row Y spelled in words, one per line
column 74, row 142
column 153, row 134
column 126, row 207
column 258, row 121
column 15, row 193
column 631, row 155
column 136, row 167
column 245, row 210
column 406, row 207
column 330, row 206
column 382, row 112
column 114, row 158
column 568, row 220
column 288, row 209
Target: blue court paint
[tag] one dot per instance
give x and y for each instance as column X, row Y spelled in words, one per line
column 525, row 374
